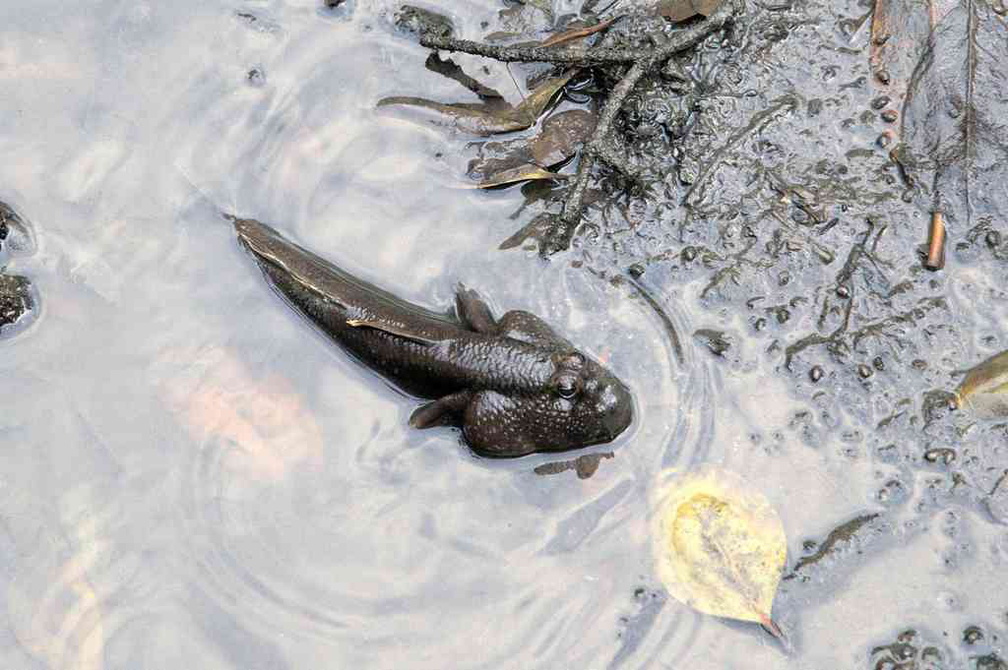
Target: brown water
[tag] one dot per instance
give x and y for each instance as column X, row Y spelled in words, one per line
column 193, row 477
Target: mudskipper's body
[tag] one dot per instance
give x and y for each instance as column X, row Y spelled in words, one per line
column 512, row 384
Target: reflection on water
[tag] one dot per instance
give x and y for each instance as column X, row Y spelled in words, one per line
column 192, row 476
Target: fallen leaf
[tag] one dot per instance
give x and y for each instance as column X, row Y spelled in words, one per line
column 484, row 119
column 558, row 140
column 561, row 136
column 953, row 131
column 720, row 546
column 535, row 229
column 680, row 10
column 448, row 69
column 539, row 99
column 899, row 31
column 578, row 32
column 473, row 118
column 519, row 174
column 984, row 391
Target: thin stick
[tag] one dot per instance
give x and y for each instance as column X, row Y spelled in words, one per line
column 560, row 236
column 643, row 60
column 680, row 41
column 936, row 243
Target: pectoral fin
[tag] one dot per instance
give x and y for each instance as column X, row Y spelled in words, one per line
column 527, row 327
column 440, row 412
column 393, row 329
column 473, row 312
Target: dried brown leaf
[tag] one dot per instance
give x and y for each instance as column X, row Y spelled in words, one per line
column 471, row 118
column 535, row 229
column 953, row 130
column 572, row 34
column 680, row 10
column 483, row 119
column 543, row 94
column 519, row 174
column 561, row 136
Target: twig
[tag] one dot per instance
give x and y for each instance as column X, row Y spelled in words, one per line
column 559, row 238
column 681, row 41
column 643, row 60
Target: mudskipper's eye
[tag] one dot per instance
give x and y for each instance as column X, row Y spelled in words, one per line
column 567, row 386
column 575, row 361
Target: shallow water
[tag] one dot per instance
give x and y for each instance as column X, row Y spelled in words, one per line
column 193, row 476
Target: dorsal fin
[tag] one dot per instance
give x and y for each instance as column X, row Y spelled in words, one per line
column 394, row 329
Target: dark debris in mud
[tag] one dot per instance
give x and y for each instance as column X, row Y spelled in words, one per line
column 18, row 304
column 623, row 63
column 16, row 234
column 912, row 649
column 758, row 177
column 16, row 301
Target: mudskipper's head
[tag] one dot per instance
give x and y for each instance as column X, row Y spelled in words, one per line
column 581, row 404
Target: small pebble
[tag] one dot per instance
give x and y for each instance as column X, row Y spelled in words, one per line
column 815, row 374
column 636, row 270
column 972, row 635
column 864, row 371
column 842, row 291
column 256, row 77
column 890, row 115
column 878, row 363
column 993, row 239
column 689, row 253
column 945, row 456
column 884, row 140
column 882, row 76
column 880, row 102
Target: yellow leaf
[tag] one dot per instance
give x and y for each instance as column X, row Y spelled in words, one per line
column 720, row 547
column 519, row 174
column 984, row 391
